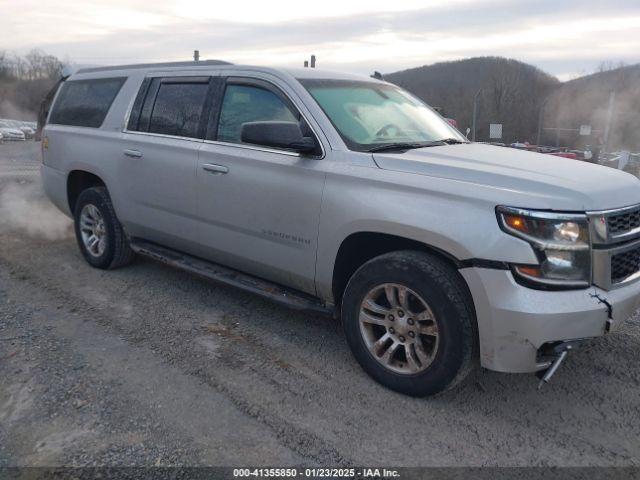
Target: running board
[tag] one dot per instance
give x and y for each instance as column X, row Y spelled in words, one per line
column 228, row 276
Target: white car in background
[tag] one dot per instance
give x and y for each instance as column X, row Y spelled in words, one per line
column 29, row 128
column 22, row 126
column 11, row 133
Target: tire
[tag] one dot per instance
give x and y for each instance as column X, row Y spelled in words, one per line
column 442, row 349
column 114, row 251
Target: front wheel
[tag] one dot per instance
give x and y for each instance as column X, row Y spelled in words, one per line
column 410, row 322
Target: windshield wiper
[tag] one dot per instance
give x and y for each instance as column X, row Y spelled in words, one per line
column 451, row 141
column 405, row 146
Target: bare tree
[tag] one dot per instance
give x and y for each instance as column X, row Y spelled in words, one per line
column 25, row 80
column 608, row 65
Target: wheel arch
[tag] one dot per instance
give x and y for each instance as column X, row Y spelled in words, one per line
column 79, row 180
column 360, row 247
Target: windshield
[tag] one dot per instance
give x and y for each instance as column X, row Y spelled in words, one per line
column 369, row 115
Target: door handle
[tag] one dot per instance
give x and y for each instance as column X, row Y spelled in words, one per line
column 133, row 153
column 215, row 169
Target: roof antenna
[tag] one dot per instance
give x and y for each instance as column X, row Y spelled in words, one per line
column 313, row 61
column 377, row 75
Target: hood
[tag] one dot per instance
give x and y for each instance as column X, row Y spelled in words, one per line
column 543, row 181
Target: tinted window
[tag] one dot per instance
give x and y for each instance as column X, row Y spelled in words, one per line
column 134, row 116
column 178, row 109
column 85, row 103
column 243, row 104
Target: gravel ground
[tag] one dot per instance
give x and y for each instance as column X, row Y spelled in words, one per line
column 148, row 365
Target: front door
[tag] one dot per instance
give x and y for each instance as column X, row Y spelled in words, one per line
column 260, row 207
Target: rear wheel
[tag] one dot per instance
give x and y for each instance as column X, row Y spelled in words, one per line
column 100, row 235
column 410, row 322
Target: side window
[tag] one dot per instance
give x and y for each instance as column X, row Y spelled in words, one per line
column 85, row 103
column 135, row 115
column 178, row 109
column 243, row 103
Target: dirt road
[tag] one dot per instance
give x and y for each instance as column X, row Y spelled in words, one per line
column 148, row 365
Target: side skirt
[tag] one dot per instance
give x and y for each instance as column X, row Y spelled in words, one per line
column 283, row 295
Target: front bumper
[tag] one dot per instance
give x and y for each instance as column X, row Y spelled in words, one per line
column 515, row 321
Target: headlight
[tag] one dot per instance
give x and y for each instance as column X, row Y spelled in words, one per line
column 560, row 242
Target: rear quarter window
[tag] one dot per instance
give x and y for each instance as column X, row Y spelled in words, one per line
column 85, row 103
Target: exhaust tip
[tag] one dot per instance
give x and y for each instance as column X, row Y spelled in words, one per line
column 550, row 372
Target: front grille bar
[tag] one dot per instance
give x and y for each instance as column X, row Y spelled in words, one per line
column 615, row 237
column 615, row 226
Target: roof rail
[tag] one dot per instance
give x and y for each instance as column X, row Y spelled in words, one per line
column 200, row 63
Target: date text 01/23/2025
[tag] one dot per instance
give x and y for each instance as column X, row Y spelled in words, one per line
column 316, row 472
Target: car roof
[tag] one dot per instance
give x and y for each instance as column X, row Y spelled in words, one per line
column 207, row 65
column 148, row 66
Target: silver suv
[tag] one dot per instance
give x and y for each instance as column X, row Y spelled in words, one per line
column 348, row 195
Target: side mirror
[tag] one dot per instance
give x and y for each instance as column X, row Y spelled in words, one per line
column 277, row 134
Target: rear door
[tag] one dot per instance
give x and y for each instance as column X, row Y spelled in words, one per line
column 159, row 158
column 260, row 207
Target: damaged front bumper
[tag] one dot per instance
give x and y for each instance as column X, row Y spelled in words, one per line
column 515, row 322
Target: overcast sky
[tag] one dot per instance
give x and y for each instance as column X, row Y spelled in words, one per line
column 565, row 38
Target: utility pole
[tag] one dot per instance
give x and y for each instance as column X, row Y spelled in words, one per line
column 607, row 128
column 196, row 55
column 541, row 119
column 475, row 111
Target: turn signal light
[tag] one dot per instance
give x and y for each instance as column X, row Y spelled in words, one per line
column 516, row 222
column 529, row 271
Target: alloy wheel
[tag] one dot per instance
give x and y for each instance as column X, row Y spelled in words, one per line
column 399, row 328
column 92, row 230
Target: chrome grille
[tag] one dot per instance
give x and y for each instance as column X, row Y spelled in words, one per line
column 615, row 236
column 624, row 265
column 623, row 222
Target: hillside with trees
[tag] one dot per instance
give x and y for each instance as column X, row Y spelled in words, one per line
column 24, row 81
column 590, row 100
column 510, row 92
column 513, row 93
